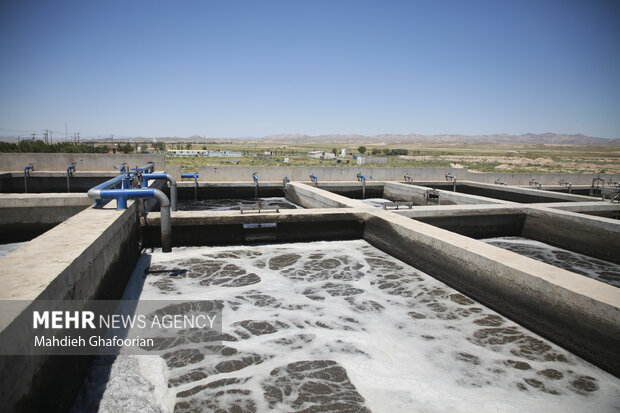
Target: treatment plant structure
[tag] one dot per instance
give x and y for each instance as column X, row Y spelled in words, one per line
column 82, row 224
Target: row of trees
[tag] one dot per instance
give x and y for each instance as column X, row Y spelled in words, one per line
column 40, row 146
column 386, row 151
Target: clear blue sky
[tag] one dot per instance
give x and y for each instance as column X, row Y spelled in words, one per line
column 254, row 68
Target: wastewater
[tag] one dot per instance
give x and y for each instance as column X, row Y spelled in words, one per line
column 336, row 326
column 604, row 271
column 235, row 204
column 8, row 248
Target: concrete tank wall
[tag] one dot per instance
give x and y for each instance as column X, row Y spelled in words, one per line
column 105, row 162
column 89, row 256
column 83, row 161
column 347, row 173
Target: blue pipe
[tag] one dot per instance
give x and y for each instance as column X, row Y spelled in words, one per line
column 122, row 195
column 117, row 182
column 255, row 177
column 173, row 185
column 314, row 179
column 110, row 182
column 361, row 177
column 146, row 177
column 195, row 176
column 70, row 170
column 122, row 168
column 27, row 175
column 127, row 193
column 149, row 167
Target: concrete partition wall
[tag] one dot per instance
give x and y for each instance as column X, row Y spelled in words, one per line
column 89, row 256
column 83, row 161
column 229, row 227
column 312, row 197
column 415, row 193
column 604, row 209
column 589, row 235
column 579, row 313
column 23, row 216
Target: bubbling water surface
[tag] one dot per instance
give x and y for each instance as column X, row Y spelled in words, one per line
column 607, row 272
column 342, row 326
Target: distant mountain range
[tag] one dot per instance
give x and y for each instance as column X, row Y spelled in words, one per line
column 527, row 138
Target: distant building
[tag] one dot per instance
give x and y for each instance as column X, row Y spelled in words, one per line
column 265, row 156
column 224, row 154
column 321, row 155
column 361, row 160
column 184, row 152
column 210, row 154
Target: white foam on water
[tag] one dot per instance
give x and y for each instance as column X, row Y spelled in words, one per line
column 406, row 341
column 8, row 248
column 604, row 271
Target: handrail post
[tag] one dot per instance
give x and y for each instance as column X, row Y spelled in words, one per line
column 255, row 178
column 27, row 170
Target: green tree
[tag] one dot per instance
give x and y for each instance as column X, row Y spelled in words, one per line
column 376, row 151
column 124, row 147
column 335, row 151
column 362, row 149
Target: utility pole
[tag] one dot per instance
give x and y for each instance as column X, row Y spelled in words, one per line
column 66, row 135
column 46, row 137
column 51, row 140
column 78, row 138
column 33, row 136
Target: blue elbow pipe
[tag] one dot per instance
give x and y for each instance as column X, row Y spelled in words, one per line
column 173, row 185
column 195, row 176
column 122, row 195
